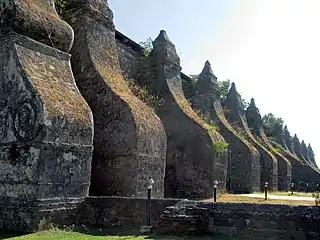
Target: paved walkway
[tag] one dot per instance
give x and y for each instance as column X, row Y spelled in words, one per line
column 295, row 198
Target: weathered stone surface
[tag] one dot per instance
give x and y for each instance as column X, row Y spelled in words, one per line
column 280, row 135
column 304, row 152
column 129, row 139
column 304, row 176
column 124, row 212
column 236, row 115
column 298, row 152
column 243, row 168
column 46, row 126
column 193, row 164
column 284, row 170
column 247, row 221
column 311, row 155
column 288, row 139
column 297, row 148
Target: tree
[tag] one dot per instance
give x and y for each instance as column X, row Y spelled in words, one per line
column 270, row 122
column 224, row 87
column 147, row 45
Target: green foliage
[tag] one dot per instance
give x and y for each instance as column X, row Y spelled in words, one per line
column 61, row 6
column 276, row 149
column 143, row 94
column 209, row 123
column 210, row 127
column 224, row 87
column 316, row 196
column 147, row 45
column 221, row 146
column 270, row 122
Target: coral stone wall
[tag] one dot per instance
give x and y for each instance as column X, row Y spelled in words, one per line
column 46, row 126
column 129, row 138
column 241, row 176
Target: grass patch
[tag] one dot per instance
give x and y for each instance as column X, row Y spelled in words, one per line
column 61, row 235
column 231, row 198
column 69, row 235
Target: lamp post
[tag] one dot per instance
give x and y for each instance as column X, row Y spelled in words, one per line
column 215, row 185
column 229, row 167
column 292, row 186
column 151, row 182
column 266, row 191
column 148, row 229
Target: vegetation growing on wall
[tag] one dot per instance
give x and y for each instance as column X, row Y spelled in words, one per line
column 316, row 196
column 147, row 45
column 221, row 146
column 61, row 6
column 269, row 122
column 143, row 94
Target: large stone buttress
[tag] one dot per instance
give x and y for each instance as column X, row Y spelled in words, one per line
column 307, row 173
column 129, row 139
column 284, row 170
column 46, row 127
column 243, row 175
column 193, row 162
column 268, row 163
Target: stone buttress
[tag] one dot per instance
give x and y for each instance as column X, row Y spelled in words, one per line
column 307, row 173
column 283, row 142
column 284, row 171
column 312, row 156
column 243, row 174
column 236, row 116
column 194, row 160
column 129, row 139
column 46, row 127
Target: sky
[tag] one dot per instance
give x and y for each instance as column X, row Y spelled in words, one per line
column 269, row 48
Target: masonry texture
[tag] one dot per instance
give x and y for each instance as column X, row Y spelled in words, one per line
column 236, row 115
column 284, row 168
column 241, row 176
column 129, row 139
column 193, row 163
column 247, row 221
column 46, row 126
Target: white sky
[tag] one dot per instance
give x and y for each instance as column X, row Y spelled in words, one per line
column 271, row 50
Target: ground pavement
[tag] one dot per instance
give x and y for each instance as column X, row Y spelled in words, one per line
column 270, row 196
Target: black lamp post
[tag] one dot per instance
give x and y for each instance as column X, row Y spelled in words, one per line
column 292, row 186
column 229, row 167
column 266, row 191
column 151, row 182
column 215, row 186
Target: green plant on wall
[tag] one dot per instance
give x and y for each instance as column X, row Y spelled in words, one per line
column 276, row 150
column 316, row 196
column 61, row 6
column 210, row 127
column 221, row 146
column 144, row 95
column 147, row 45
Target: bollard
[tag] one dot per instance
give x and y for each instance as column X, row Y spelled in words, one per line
column 292, row 185
column 266, row 191
column 215, row 185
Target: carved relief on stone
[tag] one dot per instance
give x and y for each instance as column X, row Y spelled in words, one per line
column 25, row 117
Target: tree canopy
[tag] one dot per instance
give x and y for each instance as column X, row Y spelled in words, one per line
column 270, row 122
